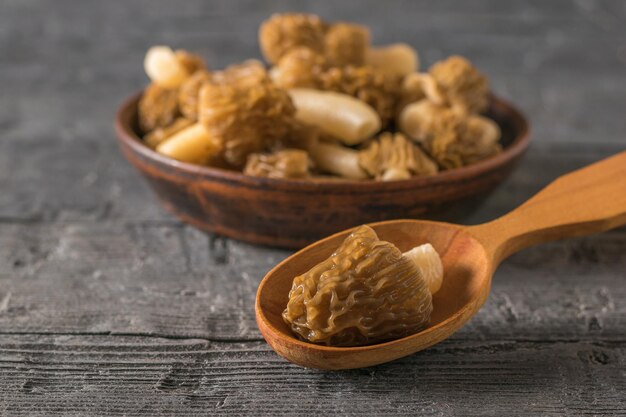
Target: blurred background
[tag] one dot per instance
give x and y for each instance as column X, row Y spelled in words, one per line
column 65, row 67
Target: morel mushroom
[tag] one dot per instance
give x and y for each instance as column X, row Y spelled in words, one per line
column 284, row 32
column 300, row 67
column 475, row 139
column 459, row 84
column 366, row 292
column 340, row 43
column 245, row 111
column 286, row 163
column 189, row 93
column 303, row 68
column 411, row 90
column 337, row 159
column 452, row 138
column 346, row 44
column 158, row 108
column 373, row 87
column 170, row 69
column 393, row 157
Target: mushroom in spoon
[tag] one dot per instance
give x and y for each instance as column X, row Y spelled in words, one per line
column 366, row 292
column 590, row 200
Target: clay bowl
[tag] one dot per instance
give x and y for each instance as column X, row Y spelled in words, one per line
column 294, row 213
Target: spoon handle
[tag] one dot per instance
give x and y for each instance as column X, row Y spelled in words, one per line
column 583, row 202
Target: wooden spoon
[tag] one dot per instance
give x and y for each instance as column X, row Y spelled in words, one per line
column 590, row 200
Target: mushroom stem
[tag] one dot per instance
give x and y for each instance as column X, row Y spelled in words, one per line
column 193, row 144
column 429, row 264
column 163, row 68
column 397, row 59
column 337, row 159
column 415, row 119
column 394, row 174
column 344, row 117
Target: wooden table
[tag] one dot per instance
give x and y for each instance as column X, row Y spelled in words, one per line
column 108, row 305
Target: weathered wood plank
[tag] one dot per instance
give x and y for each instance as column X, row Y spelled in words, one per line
column 139, row 376
column 171, row 280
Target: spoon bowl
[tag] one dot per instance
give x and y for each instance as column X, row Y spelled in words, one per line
column 589, row 200
column 463, row 291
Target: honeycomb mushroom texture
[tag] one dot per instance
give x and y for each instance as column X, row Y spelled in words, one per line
column 346, row 44
column 283, row 32
column 287, row 163
column 455, row 141
column 394, row 157
column 245, row 111
column 305, row 68
column 365, row 292
column 190, row 62
column 300, row 136
column 300, row 67
column 368, row 85
column 461, row 83
column 189, row 94
column 158, row 108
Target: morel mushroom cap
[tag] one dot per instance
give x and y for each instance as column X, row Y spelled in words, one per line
column 284, row 32
column 366, row 83
column 189, row 93
column 300, row 67
column 346, row 44
column 245, row 111
column 452, row 138
column 475, row 139
column 365, row 292
column 393, row 157
column 158, row 107
column 461, row 84
column 300, row 136
column 189, row 61
column 286, row 163
column 304, row 68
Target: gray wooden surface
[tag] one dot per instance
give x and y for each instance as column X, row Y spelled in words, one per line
column 110, row 306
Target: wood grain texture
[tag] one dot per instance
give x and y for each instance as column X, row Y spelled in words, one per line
column 85, row 248
column 101, row 375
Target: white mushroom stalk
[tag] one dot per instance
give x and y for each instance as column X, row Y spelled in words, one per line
column 163, row 67
column 429, row 264
column 193, row 144
column 397, row 59
column 338, row 160
column 344, row 117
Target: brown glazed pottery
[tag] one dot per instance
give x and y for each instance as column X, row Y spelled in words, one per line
column 294, row 213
